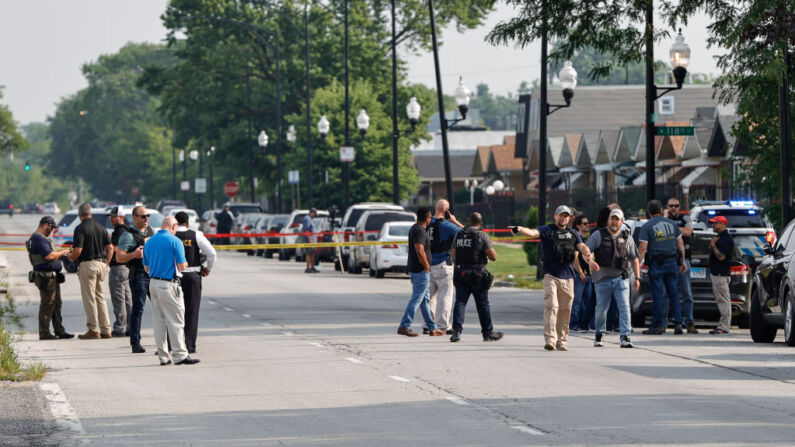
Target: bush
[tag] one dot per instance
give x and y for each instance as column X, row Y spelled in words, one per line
column 531, row 248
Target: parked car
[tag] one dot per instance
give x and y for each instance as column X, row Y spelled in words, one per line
column 293, row 226
column 370, row 223
column 392, row 255
column 31, row 208
column 164, row 203
column 327, row 254
column 772, row 294
column 6, row 207
column 208, row 223
column 351, row 218
column 275, row 225
column 243, row 223
column 193, row 216
column 260, row 226
column 63, row 234
column 238, row 208
column 704, row 305
column 50, row 208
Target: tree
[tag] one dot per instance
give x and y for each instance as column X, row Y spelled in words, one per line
column 10, row 138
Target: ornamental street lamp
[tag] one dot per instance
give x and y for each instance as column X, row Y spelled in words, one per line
column 462, row 97
column 210, row 153
column 262, row 140
column 291, row 134
column 323, row 126
column 680, row 58
column 413, row 110
column 363, row 122
column 471, row 186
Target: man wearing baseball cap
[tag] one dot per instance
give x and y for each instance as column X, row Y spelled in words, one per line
column 721, row 248
column 558, row 244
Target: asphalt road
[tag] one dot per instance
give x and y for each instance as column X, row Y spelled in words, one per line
column 295, row 359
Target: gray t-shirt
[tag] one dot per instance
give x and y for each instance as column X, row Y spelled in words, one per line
column 607, row 273
column 661, row 234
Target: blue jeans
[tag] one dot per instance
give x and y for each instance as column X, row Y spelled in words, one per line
column 582, row 309
column 664, row 278
column 139, row 286
column 420, row 297
column 462, row 292
column 613, row 290
column 612, row 315
column 687, row 294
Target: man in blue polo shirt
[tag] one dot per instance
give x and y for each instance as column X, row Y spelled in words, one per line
column 163, row 259
column 442, row 230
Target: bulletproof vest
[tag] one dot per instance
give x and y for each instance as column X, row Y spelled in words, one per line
column 192, row 252
column 609, row 254
column 140, row 240
column 686, row 239
column 561, row 246
column 37, row 258
column 114, row 239
column 469, row 248
column 437, row 246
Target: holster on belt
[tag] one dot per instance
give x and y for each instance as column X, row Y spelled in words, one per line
column 476, row 277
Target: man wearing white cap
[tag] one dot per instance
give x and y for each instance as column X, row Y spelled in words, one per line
column 558, row 244
column 615, row 251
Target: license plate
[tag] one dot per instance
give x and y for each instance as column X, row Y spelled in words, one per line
column 698, row 273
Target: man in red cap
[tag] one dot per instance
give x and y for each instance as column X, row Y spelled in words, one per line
column 721, row 248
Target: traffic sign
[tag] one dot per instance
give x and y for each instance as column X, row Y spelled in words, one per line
column 346, row 153
column 293, row 177
column 200, row 185
column 675, row 131
column 184, row 185
column 231, row 189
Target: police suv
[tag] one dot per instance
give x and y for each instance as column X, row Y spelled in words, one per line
column 749, row 228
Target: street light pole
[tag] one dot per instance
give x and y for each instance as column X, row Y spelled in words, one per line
column 210, row 154
column 308, row 111
column 395, row 131
column 346, row 166
column 440, row 98
column 174, row 173
column 651, row 96
column 786, row 141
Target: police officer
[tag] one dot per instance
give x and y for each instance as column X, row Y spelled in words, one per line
column 662, row 238
column 46, row 269
column 197, row 247
column 119, row 278
column 443, row 228
column 558, row 244
column 131, row 252
column 721, row 248
column 614, row 250
column 673, row 212
column 472, row 250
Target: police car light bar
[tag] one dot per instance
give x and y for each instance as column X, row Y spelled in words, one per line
column 712, row 212
column 752, row 212
column 741, row 203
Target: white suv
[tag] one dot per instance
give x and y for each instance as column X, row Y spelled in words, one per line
column 351, row 218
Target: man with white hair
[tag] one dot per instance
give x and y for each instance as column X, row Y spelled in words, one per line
column 163, row 259
column 614, row 250
column 442, row 230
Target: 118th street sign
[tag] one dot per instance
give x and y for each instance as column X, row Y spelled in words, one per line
column 673, row 131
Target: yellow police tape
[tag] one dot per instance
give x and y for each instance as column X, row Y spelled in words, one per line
column 312, row 245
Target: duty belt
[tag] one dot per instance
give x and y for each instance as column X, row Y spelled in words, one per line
column 174, row 280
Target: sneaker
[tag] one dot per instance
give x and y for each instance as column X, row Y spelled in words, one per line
column 449, row 332
column 625, row 343
column 654, row 331
column 691, row 328
column 138, row 349
column 718, row 331
column 456, row 337
column 493, row 336
column 561, row 347
column 549, row 347
column 678, row 329
column 598, row 341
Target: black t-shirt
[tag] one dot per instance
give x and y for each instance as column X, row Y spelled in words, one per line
column 92, row 238
column 40, row 245
column 418, row 235
column 725, row 246
column 114, row 239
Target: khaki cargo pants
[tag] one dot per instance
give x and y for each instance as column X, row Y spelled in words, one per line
column 558, row 296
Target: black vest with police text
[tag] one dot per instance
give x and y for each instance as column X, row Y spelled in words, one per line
column 561, row 246
column 469, row 248
column 192, row 252
column 435, row 235
column 686, row 239
column 609, row 254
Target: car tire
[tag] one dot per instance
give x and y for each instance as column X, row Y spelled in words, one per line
column 372, row 273
column 337, row 265
column 283, row 256
column 268, row 254
column 761, row 332
column 789, row 320
column 379, row 273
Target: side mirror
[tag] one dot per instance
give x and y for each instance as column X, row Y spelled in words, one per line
column 767, row 249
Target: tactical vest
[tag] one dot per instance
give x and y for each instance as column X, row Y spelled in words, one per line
column 137, row 265
column 114, row 239
column 37, row 258
column 437, row 245
column 192, row 252
column 609, row 254
column 686, row 239
column 561, row 246
column 469, row 248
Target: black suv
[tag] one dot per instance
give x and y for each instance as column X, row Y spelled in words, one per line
column 704, row 305
column 772, row 299
column 6, row 207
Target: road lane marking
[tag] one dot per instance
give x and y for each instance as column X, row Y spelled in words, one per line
column 527, row 430
column 287, row 333
column 213, row 302
column 265, row 324
column 228, row 309
column 457, row 401
column 63, row 412
column 246, row 316
column 399, row 379
column 316, row 344
column 353, row 360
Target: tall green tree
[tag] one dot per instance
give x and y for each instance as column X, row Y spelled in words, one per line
column 11, row 139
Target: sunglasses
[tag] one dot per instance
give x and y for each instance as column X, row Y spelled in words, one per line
column 673, row 206
column 142, row 216
column 584, row 223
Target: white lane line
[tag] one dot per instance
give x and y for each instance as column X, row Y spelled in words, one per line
column 213, row 302
column 287, row 333
column 65, row 416
column 527, row 430
column 246, row 316
column 353, row 360
column 315, row 344
column 265, row 324
column 399, row 379
column 228, row 309
column 457, row 401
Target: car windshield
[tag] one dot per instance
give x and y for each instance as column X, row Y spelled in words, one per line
column 399, row 230
column 699, row 245
column 67, row 219
column 376, row 221
column 278, row 221
column 244, row 209
column 736, row 218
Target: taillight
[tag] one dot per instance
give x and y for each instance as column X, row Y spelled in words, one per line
column 393, row 246
column 740, row 270
column 770, row 237
column 294, row 225
column 644, row 269
column 247, row 227
column 212, row 225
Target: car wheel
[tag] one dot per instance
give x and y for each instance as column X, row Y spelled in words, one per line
column 761, row 332
column 282, row 256
column 372, row 272
column 268, row 254
column 379, row 274
column 789, row 320
column 337, row 265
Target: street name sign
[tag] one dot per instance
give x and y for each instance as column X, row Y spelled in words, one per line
column 673, row 131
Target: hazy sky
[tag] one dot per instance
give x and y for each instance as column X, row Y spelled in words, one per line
column 43, row 44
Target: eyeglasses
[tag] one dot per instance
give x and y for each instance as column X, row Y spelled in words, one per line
column 673, row 205
column 584, row 223
column 142, row 216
